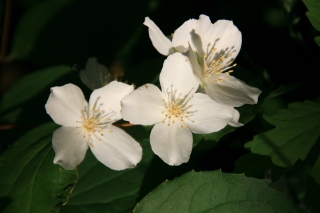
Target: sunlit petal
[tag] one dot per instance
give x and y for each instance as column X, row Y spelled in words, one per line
column 232, row 92
column 235, row 121
column 184, row 36
column 158, row 39
column 65, row 104
column 173, row 144
column 225, row 38
column 69, row 146
column 107, row 99
column 177, row 78
column 116, row 149
column 143, row 106
column 206, row 116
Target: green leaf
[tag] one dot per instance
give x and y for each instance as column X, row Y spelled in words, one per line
column 314, row 12
column 31, row 24
column 316, row 171
column 297, row 129
column 314, row 15
column 29, row 95
column 214, row 192
column 30, row 182
column 101, row 189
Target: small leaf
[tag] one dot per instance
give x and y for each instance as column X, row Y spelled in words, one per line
column 214, row 192
column 32, row 183
column 297, row 129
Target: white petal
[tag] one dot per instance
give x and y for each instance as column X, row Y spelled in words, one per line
column 117, row 150
column 65, row 104
column 177, row 77
column 108, row 98
column 226, row 38
column 70, row 147
column 143, row 106
column 158, row 39
column 232, row 92
column 204, row 29
column 94, row 74
column 235, row 121
column 206, row 116
column 185, row 35
column 196, row 68
column 173, row 144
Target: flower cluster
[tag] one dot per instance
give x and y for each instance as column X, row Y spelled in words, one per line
column 197, row 95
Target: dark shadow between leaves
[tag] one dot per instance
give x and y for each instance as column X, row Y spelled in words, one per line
column 4, row 203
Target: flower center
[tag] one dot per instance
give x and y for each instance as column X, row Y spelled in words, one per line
column 93, row 121
column 90, row 125
column 176, row 110
column 215, row 64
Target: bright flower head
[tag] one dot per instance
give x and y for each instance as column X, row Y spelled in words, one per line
column 176, row 111
column 90, row 124
column 211, row 49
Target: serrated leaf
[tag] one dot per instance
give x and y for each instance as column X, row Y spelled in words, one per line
column 25, row 96
column 314, row 19
column 214, row 192
column 314, row 15
column 101, row 189
column 297, row 129
column 30, row 182
column 314, row 12
column 31, row 24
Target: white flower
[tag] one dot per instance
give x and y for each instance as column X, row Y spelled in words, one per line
column 90, row 124
column 176, row 111
column 211, row 49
